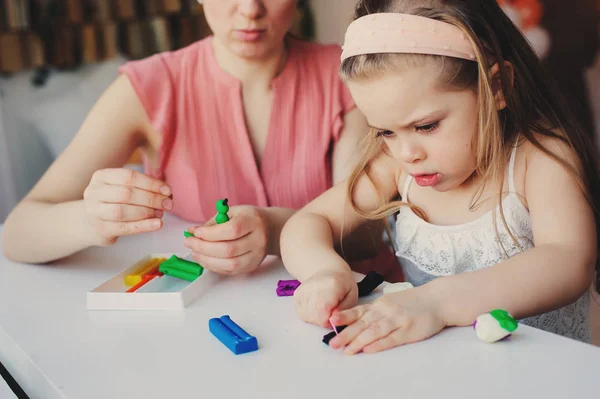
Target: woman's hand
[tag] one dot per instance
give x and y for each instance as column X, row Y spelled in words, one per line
column 123, row 202
column 234, row 247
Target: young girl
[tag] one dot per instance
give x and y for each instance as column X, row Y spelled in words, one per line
column 494, row 185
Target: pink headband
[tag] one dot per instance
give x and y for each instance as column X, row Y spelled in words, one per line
column 404, row 33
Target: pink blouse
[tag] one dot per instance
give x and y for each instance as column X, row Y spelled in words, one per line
column 206, row 153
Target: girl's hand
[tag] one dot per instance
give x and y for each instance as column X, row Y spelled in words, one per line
column 234, row 247
column 123, row 202
column 324, row 292
column 392, row 320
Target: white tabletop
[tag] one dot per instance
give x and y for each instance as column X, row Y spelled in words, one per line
column 55, row 348
column 5, row 391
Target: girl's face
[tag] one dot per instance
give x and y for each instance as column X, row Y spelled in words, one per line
column 427, row 128
column 252, row 29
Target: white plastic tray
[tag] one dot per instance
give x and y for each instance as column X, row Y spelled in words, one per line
column 161, row 293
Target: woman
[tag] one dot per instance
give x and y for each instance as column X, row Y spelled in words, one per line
column 249, row 113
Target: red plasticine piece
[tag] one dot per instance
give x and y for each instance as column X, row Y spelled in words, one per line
column 145, row 279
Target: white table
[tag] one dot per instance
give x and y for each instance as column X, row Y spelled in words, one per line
column 5, row 391
column 55, row 348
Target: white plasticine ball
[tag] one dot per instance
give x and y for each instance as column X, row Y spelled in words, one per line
column 494, row 326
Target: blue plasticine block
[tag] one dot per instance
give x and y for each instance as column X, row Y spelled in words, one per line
column 232, row 336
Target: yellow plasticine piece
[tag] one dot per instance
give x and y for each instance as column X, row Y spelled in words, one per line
column 136, row 278
column 132, row 280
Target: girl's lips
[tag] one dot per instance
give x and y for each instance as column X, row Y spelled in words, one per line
column 427, row 180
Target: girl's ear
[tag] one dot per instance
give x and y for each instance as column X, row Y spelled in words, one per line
column 497, row 83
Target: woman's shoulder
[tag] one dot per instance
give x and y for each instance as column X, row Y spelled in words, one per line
column 169, row 62
column 314, row 48
column 317, row 54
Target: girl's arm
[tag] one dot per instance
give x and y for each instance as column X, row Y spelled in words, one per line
column 308, row 239
column 555, row 272
column 51, row 221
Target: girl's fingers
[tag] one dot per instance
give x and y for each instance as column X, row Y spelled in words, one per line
column 364, row 317
column 375, row 331
column 396, row 338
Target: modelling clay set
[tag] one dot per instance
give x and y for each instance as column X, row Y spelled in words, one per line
column 158, row 281
column 171, row 282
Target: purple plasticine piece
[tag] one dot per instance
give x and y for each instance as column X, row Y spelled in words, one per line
column 287, row 287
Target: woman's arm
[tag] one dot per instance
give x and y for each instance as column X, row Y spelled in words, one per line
column 554, row 273
column 51, row 222
column 344, row 157
column 366, row 241
column 347, row 149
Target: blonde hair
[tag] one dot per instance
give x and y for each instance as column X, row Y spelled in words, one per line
column 533, row 105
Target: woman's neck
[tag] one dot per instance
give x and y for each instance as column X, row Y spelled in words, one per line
column 250, row 72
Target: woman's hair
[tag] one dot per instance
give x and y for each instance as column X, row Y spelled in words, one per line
column 534, row 106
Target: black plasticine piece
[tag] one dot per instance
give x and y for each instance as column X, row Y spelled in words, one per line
column 328, row 337
column 371, row 281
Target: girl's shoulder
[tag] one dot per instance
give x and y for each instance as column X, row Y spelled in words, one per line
column 546, row 148
column 387, row 175
column 541, row 154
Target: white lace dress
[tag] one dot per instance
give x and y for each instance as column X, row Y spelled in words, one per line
column 428, row 251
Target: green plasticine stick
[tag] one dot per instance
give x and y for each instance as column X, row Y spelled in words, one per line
column 167, row 269
column 181, row 264
column 180, row 274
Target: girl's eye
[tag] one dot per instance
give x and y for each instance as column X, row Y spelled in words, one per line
column 385, row 133
column 428, row 128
